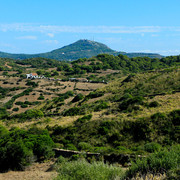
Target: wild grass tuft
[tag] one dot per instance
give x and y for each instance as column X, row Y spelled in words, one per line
column 82, row 170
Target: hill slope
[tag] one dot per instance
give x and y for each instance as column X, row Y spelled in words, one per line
column 79, row 49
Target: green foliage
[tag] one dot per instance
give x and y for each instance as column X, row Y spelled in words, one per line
column 9, row 104
column 153, row 104
column 159, row 162
column 74, row 111
column 32, row 83
column 64, row 96
column 83, row 119
column 19, row 147
column 130, row 103
column 78, row 97
column 155, row 131
column 79, row 50
column 28, row 115
column 86, row 108
column 40, row 63
column 3, row 113
column 41, row 97
column 34, row 113
column 16, row 109
column 84, row 146
column 94, row 94
column 82, row 170
column 152, row 147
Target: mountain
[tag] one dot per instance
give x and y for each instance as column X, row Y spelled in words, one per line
column 79, row 49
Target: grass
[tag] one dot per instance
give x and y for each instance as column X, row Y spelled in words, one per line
column 82, row 170
column 163, row 162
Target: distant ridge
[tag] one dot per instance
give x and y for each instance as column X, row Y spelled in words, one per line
column 79, row 49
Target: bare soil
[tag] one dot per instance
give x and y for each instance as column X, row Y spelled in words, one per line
column 37, row 171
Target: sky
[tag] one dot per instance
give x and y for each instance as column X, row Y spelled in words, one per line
column 36, row 26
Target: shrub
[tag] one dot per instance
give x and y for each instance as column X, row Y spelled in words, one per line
column 34, row 113
column 130, row 103
column 43, row 147
column 64, row 96
column 82, row 170
column 74, row 111
column 78, row 97
column 84, row 146
column 159, row 162
column 153, row 104
column 71, row 147
column 19, row 147
column 16, row 109
column 3, row 113
column 83, row 119
column 94, row 94
column 41, row 97
column 19, row 103
column 152, row 147
column 14, row 155
column 24, row 106
column 100, row 105
column 31, row 83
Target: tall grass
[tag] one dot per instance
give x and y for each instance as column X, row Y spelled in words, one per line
column 166, row 161
column 82, row 170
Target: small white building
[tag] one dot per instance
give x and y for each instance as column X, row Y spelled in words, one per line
column 32, row 76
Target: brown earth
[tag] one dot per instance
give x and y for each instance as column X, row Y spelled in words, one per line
column 37, row 171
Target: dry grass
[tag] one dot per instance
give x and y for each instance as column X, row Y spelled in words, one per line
column 37, row 171
column 150, row 177
column 167, row 103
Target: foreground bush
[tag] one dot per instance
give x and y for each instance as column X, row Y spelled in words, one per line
column 166, row 161
column 19, row 148
column 82, row 170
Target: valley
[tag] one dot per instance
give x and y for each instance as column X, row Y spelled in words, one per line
column 113, row 105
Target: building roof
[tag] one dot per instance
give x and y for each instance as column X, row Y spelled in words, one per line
column 34, row 74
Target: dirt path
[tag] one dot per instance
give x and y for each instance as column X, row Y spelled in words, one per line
column 37, row 171
column 8, row 66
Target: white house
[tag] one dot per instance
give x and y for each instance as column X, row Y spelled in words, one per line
column 32, row 75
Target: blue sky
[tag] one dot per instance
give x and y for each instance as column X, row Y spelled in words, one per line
column 35, row 26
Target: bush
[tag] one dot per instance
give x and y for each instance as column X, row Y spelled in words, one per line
column 15, row 155
column 34, row 113
column 100, row 105
column 84, row 146
column 152, row 147
column 41, row 97
column 74, row 111
column 82, row 170
column 130, row 103
column 31, row 83
column 159, row 162
column 78, row 97
column 153, row 104
column 94, row 95
column 19, row 147
column 3, row 113
column 16, row 109
column 24, row 106
column 83, row 119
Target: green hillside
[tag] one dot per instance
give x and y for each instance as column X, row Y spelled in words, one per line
column 79, row 49
column 128, row 111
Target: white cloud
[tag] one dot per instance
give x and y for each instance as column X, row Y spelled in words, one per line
column 164, row 52
column 27, row 37
column 50, row 30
